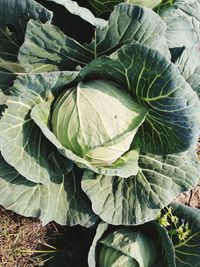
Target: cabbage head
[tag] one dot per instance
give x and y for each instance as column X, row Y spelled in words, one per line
column 97, row 121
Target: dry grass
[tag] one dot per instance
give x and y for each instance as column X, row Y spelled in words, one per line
column 23, row 241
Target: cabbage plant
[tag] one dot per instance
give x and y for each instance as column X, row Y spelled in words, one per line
column 104, row 129
column 173, row 240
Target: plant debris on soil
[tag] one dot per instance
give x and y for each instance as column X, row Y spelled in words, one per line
column 20, row 239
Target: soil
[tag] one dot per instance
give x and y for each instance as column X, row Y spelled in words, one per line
column 190, row 198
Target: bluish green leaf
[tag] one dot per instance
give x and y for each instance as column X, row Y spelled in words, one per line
column 46, row 48
column 61, row 201
column 188, row 64
column 183, row 22
column 22, row 143
column 172, row 124
column 139, row 198
column 187, row 251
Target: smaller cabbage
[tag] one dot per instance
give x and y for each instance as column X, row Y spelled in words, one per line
column 145, row 3
column 96, row 121
column 127, row 248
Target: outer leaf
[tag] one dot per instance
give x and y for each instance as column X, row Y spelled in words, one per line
column 61, row 201
column 46, row 48
column 130, row 24
column 172, row 123
column 166, row 242
column 41, row 52
column 8, row 73
column 131, row 246
column 125, row 166
column 183, row 21
column 187, row 254
column 22, row 144
column 92, row 260
column 17, row 13
column 82, row 12
column 189, row 65
column 159, row 180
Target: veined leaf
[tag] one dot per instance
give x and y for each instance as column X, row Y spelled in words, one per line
column 46, row 48
column 188, row 64
column 156, row 83
column 183, row 22
column 187, row 251
column 61, row 201
column 159, row 180
column 14, row 16
column 22, row 143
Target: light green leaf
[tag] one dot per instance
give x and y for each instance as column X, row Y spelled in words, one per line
column 41, row 52
column 139, row 198
column 82, row 12
column 22, row 143
column 183, row 22
column 61, row 201
column 187, row 252
column 125, row 166
column 172, row 124
column 188, row 64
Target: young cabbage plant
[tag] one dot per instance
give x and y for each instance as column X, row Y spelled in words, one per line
column 173, row 240
column 91, row 128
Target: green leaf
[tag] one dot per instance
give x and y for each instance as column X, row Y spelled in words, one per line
column 14, row 16
column 188, row 64
column 167, row 245
column 125, row 166
column 92, row 259
column 22, row 143
column 8, row 73
column 187, row 253
column 183, row 22
column 159, row 180
column 17, row 13
column 130, row 24
column 172, row 124
column 61, row 201
column 82, row 12
column 40, row 52
column 130, row 247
